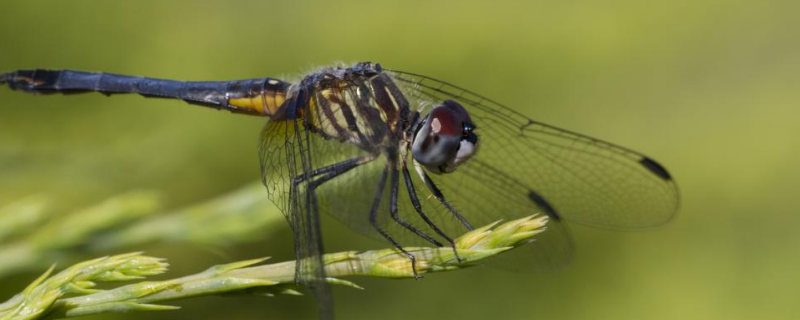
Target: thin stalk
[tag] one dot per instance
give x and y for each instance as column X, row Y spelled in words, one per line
column 45, row 297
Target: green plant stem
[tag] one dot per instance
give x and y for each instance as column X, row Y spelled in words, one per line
column 278, row 278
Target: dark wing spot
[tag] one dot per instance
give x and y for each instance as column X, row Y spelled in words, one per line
column 655, row 167
column 544, row 205
column 524, row 126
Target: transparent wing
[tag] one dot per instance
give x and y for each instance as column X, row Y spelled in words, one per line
column 570, row 176
column 286, row 153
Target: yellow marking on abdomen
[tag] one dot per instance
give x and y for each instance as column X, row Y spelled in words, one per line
column 265, row 103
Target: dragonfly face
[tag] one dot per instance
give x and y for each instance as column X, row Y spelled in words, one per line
column 445, row 138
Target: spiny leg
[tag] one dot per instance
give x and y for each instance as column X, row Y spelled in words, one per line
column 330, row 172
column 340, row 167
column 412, row 193
column 440, row 196
column 373, row 214
column 396, row 217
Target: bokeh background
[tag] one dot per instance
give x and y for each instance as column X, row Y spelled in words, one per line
column 710, row 88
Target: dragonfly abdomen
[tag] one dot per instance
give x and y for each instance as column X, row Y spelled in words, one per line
column 261, row 96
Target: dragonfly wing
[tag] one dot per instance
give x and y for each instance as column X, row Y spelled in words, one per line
column 524, row 166
column 569, row 175
column 286, row 154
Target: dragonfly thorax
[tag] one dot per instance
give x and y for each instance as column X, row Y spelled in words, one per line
column 445, row 138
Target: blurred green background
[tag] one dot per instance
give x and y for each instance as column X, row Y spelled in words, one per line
column 709, row 88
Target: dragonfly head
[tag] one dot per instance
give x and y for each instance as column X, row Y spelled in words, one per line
column 445, row 138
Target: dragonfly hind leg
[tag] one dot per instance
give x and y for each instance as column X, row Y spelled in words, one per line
column 329, row 173
column 337, row 168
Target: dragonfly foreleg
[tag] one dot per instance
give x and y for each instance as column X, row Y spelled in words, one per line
column 412, row 193
column 440, row 196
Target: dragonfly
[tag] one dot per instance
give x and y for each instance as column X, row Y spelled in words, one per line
column 410, row 159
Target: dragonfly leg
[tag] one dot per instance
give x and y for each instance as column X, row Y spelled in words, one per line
column 412, row 193
column 440, row 196
column 393, row 208
column 339, row 167
column 329, row 172
column 373, row 215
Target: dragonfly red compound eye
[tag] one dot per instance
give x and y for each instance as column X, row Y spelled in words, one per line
column 440, row 141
